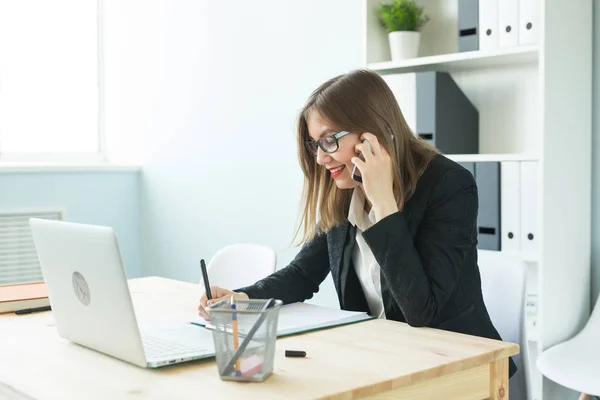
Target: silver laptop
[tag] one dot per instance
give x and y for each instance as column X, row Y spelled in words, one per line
column 91, row 303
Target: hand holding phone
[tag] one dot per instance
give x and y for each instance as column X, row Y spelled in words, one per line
column 356, row 175
column 377, row 166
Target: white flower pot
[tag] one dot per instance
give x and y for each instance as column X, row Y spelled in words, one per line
column 404, row 44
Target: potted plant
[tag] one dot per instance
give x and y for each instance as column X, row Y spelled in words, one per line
column 403, row 20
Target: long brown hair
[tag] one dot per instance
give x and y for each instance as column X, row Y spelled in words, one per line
column 359, row 101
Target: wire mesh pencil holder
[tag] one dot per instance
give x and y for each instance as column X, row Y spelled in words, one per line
column 244, row 332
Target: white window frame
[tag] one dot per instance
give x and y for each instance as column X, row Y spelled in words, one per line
column 56, row 158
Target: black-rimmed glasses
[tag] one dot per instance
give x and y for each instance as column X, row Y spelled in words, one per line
column 328, row 144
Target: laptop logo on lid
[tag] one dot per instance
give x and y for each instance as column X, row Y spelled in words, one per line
column 80, row 286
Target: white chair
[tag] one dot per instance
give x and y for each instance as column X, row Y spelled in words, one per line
column 504, row 285
column 241, row 264
column 575, row 363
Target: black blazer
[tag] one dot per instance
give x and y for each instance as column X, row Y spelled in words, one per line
column 427, row 254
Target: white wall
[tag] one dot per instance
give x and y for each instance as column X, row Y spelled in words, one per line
column 108, row 198
column 213, row 89
column 126, row 81
column 596, row 158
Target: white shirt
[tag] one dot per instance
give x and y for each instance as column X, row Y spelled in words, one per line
column 365, row 264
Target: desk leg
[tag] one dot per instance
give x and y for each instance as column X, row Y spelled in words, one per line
column 499, row 380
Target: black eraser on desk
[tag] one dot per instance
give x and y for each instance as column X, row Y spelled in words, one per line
column 295, row 353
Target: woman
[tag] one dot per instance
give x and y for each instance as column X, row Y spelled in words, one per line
column 400, row 245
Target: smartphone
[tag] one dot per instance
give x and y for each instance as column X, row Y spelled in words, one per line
column 355, row 171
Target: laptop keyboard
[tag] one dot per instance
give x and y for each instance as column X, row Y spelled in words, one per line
column 158, row 347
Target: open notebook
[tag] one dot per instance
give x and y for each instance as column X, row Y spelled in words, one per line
column 303, row 317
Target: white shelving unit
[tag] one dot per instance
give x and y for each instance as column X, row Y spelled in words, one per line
column 534, row 104
column 457, row 61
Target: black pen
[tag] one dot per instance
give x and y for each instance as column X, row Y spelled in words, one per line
column 295, row 353
column 205, row 279
column 32, row 310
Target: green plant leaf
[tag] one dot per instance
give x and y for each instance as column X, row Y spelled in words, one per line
column 402, row 15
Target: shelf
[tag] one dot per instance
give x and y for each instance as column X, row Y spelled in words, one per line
column 459, row 61
column 491, row 157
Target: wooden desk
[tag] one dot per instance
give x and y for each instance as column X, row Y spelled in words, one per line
column 376, row 359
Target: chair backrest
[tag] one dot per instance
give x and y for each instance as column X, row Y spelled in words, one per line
column 241, row 264
column 592, row 326
column 504, row 285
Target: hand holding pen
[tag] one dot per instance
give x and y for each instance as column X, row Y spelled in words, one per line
column 214, row 294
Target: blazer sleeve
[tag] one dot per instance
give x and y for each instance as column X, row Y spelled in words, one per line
column 422, row 274
column 299, row 280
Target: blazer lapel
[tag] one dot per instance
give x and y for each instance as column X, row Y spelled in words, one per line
column 342, row 240
column 346, row 261
column 336, row 240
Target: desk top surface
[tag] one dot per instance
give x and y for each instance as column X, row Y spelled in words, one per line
column 342, row 363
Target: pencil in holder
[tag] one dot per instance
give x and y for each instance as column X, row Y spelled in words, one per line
column 244, row 333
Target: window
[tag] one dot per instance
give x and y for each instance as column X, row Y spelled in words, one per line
column 49, row 80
